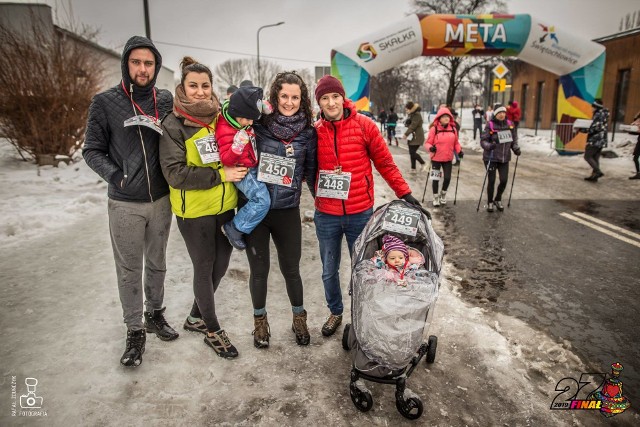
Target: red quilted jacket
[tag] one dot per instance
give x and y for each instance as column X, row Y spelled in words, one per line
column 224, row 135
column 353, row 143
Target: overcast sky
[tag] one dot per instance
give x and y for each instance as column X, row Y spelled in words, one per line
column 312, row 27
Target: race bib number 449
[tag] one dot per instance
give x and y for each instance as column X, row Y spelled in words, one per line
column 333, row 185
column 401, row 220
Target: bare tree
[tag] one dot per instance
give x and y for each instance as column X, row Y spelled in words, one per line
column 47, row 82
column 231, row 72
column 386, row 87
column 458, row 68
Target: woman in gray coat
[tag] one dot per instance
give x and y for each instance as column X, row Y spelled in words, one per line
column 414, row 134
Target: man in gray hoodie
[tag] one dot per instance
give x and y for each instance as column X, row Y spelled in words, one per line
column 121, row 145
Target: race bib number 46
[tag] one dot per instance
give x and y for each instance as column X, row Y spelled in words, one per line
column 504, row 136
column 208, row 149
column 333, row 185
column 276, row 169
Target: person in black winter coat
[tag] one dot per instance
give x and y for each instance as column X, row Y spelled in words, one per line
column 498, row 140
column 122, row 146
column 285, row 139
column 596, row 139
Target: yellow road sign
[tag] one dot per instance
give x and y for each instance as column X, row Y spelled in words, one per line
column 499, row 85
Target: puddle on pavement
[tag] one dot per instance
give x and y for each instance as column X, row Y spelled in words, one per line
column 481, row 272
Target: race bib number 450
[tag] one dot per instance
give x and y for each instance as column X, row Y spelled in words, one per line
column 276, row 169
column 333, row 185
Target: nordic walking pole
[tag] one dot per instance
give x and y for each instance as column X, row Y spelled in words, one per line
column 513, row 180
column 426, row 183
column 455, row 195
column 484, row 180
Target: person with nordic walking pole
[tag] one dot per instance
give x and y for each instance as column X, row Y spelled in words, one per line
column 455, row 194
column 498, row 140
column 441, row 143
column 513, row 180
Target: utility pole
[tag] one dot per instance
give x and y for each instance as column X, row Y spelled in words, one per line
column 147, row 25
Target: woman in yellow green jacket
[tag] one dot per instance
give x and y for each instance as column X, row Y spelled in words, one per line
column 202, row 194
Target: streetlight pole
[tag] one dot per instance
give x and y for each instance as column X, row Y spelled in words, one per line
column 258, row 43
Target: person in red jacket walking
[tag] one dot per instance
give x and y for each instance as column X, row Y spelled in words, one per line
column 441, row 143
column 348, row 143
column 514, row 113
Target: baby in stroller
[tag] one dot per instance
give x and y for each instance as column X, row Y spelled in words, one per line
column 394, row 286
column 397, row 259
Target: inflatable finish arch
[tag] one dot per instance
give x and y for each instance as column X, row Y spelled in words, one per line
column 580, row 63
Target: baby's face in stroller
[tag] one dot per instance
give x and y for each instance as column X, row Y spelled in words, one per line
column 395, row 258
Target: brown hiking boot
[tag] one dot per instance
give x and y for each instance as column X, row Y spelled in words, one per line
column 331, row 325
column 261, row 333
column 299, row 327
column 220, row 343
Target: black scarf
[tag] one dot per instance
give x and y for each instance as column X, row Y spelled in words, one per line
column 287, row 127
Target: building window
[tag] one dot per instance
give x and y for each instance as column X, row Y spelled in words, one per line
column 539, row 104
column 523, row 103
column 622, row 90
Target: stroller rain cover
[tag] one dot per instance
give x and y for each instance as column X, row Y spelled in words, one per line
column 390, row 318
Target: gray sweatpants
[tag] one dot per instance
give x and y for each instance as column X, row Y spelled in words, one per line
column 139, row 234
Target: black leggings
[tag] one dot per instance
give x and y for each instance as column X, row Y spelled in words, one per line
column 210, row 252
column 503, row 172
column 284, row 226
column 446, row 168
column 413, row 154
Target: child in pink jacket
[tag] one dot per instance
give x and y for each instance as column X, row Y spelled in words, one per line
column 441, row 144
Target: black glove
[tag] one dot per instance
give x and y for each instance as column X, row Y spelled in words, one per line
column 516, row 151
column 409, row 198
column 460, row 155
column 433, row 149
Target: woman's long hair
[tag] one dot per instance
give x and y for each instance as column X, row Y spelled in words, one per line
column 290, row 77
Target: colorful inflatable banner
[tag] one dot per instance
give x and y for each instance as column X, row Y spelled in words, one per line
column 580, row 63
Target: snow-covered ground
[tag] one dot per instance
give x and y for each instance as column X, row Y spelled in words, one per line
column 61, row 323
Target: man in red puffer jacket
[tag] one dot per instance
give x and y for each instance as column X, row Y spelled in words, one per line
column 348, row 143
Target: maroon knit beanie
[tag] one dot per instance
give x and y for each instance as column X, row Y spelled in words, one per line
column 328, row 84
column 392, row 243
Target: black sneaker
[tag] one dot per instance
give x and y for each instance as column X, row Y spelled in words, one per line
column 234, row 236
column 156, row 324
column 331, row 325
column 198, row 326
column 636, row 176
column 490, row 207
column 135, row 348
column 299, row 327
column 220, row 343
column 498, row 204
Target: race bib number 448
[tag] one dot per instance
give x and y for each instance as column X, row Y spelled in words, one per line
column 333, row 185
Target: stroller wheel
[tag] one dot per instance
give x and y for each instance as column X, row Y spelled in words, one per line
column 361, row 398
column 345, row 336
column 410, row 408
column 431, row 350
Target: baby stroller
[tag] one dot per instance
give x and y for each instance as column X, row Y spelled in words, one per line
column 391, row 318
